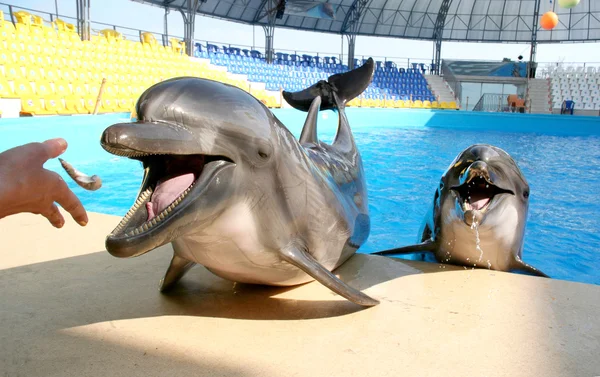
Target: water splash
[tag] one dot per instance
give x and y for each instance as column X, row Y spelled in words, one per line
column 475, row 226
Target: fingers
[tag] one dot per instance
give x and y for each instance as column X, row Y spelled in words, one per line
column 42, row 152
column 69, row 201
column 54, row 216
column 54, row 148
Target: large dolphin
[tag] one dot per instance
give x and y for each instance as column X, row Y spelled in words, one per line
column 479, row 213
column 233, row 190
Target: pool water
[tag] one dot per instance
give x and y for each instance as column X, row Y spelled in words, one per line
column 403, row 164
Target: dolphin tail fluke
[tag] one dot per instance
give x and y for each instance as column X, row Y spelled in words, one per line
column 345, row 86
column 425, row 246
column 178, row 267
column 308, row 264
column 522, row 266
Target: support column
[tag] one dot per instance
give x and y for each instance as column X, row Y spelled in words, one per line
column 351, row 26
column 533, row 49
column 189, row 21
column 166, row 33
column 351, row 47
column 83, row 19
column 438, row 33
column 274, row 8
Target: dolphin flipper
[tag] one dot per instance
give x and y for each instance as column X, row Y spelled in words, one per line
column 528, row 268
column 309, row 131
column 308, row 264
column 424, row 246
column 178, row 267
column 346, row 85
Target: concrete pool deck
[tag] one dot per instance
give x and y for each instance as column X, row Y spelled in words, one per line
column 68, row 308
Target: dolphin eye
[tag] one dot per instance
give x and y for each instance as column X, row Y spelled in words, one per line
column 263, row 154
column 526, row 194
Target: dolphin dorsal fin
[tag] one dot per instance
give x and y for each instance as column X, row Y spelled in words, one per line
column 343, row 140
column 309, row 131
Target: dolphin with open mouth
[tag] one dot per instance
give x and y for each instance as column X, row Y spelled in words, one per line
column 479, row 213
column 233, row 190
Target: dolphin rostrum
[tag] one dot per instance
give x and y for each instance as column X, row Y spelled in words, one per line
column 478, row 214
column 233, row 190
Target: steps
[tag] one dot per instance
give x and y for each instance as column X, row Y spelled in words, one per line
column 539, row 96
column 440, row 88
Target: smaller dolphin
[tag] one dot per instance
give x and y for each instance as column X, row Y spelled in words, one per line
column 92, row 183
column 479, row 213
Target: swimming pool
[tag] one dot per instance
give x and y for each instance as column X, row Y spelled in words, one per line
column 404, row 153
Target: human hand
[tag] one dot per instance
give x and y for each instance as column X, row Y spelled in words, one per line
column 25, row 186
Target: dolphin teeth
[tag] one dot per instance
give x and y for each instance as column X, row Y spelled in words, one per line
column 145, row 227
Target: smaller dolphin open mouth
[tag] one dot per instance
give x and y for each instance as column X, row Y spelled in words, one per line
column 478, row 193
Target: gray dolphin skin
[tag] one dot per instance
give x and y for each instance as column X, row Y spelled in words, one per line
column 479, row 213
column 233, row 190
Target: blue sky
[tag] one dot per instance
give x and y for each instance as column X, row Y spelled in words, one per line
column 141, row 16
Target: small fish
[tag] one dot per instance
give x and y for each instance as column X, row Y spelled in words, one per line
column 92, row 183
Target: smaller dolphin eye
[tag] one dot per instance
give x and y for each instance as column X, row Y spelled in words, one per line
column 263, row 154
column 526, row 194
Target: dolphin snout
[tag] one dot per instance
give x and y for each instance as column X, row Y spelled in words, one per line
column 477, row 169
column 114, row 135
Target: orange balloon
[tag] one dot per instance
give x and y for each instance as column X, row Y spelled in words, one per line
column 549, row 20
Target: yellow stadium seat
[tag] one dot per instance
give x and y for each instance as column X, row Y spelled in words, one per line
column 79, row 90
column 389, row 103
column 125, row 90
column 67, row 75
column 22, row 17
column 148, row 38
column 51, row 75
column 124, row 104
column 111, row 35
column 90, row 104
column 435, row 105
column 31, row 105
column 53, row 105
column 5, row 89
column 74, row 105
column 7, row 57
column 177, row 45
column 417, row 104
column 33, row 73
column 63, row 26
column 110, row 90
column 443, row 105
column 23, row 88
column 108, row 104
column 7, row 33
column 452, row 105
column 426, row 104
column 61, row 88
column 398, row 103
column 43, row 89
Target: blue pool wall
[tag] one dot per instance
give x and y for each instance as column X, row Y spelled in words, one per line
column 83, row 132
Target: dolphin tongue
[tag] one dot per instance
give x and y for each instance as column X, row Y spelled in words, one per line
column 479, row 198
column 166, row 192
column 480, row 203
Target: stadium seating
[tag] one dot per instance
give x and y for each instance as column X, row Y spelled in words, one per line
column 578, row 84
column 293, row 72
column 51, row 70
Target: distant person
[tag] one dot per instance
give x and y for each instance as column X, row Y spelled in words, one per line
column 25, row 186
